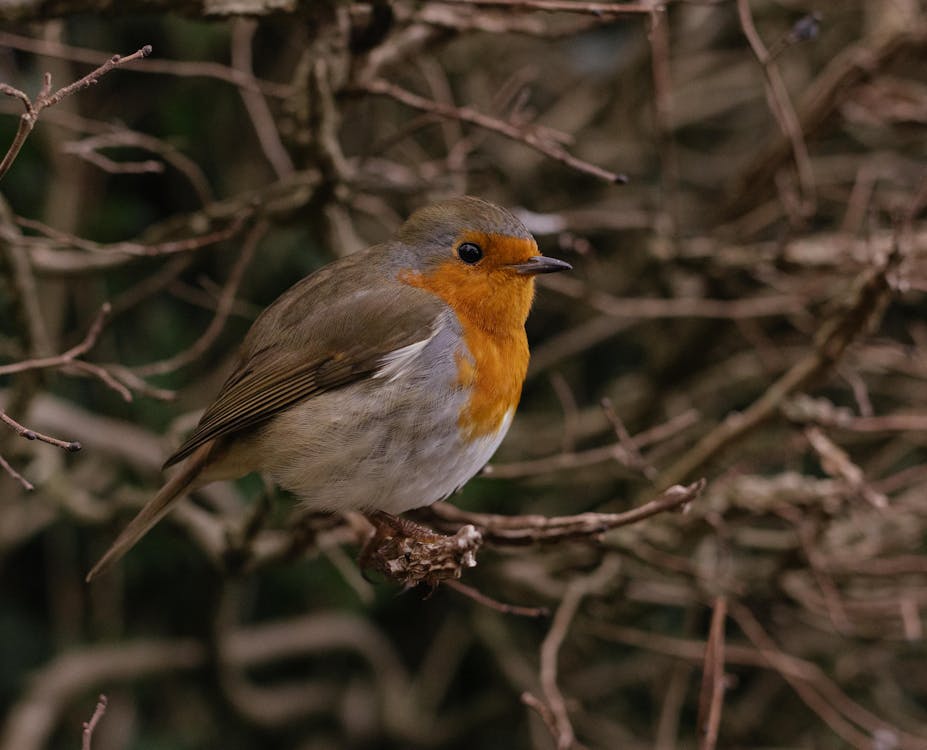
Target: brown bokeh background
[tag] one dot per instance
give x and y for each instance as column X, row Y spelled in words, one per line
column 748, row 309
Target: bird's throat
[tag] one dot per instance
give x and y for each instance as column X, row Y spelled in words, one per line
column 494, row 361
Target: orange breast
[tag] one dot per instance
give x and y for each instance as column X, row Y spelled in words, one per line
column 492, row 303
column 494, row 376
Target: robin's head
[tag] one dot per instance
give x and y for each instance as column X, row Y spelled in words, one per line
column 476, row 256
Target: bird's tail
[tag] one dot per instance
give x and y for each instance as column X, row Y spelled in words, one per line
column 154, row 510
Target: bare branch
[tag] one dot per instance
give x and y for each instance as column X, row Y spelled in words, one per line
column 558, row 719
column 521, row 530
column 223, row 309
column 89, row 726
column 566, row 6
column 26, row 484
column 71, row 446
column 136, row 249
column 183, row 68
column 487, row 601
column 45, row 99
column 261, row 117
column 711, row 699
column 67, row 357
column 526, row 135
column 70, row 360
column 833, row 338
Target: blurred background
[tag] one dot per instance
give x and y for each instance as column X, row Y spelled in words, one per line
column 749, row 309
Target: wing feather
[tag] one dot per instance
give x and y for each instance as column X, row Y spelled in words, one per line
column 296, row 349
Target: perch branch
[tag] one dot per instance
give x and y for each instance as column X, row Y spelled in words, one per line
column 531, row 529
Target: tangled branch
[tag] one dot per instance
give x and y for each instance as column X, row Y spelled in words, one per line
column 47, row 99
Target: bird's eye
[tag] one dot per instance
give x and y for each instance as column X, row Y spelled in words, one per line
column 469, row 252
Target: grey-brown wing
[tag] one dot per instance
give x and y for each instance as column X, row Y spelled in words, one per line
column 316, row 337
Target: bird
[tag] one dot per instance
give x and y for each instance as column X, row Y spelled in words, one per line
column 381, row 382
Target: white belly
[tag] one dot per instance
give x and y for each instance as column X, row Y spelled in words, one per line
column 360, row 455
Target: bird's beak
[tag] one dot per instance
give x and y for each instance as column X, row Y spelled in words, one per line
column 540, row 264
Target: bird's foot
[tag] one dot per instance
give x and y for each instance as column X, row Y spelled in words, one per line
column 411, row 554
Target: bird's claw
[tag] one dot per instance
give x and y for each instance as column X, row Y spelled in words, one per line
column 412, row 554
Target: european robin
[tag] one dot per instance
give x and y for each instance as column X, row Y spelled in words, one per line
column 380, row 383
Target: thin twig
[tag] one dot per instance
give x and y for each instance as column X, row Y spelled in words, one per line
column 542, row 710
column 116, row 136
column 26, row 484
column 569, row 461
column 528, row 136
column 836, row 462
column 832, row 340
column 572, row 460
column 71, row 446
column 711, row 699
column 181, row 68
column 521, row 530
column 659, row 38
column 136, row 249
column 223, row 309
column 781, row 106
column 811, row 696
column 829, row 592
column 798, row 673
column 262, row 119
column 487, row 601
column 576, row 591
column 67, row 357
column 28, row 119
column 647, row 308
column 635, row 459
column 87, row 150
column 566, row 6
column 69, row 360
column 89, row 726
